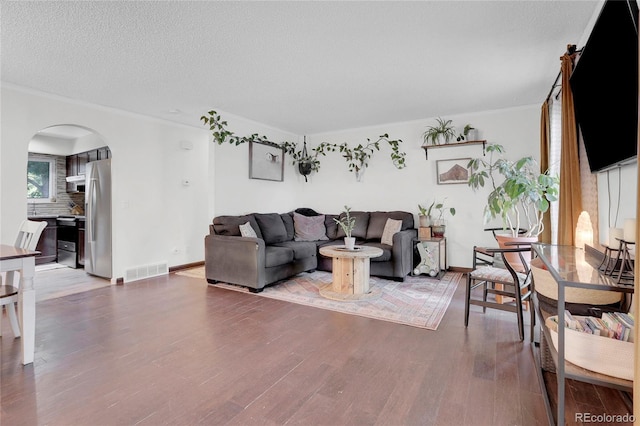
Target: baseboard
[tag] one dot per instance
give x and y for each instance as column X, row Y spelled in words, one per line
column 185, row 266
column 459, row 269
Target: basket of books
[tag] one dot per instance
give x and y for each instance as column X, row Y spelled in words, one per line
column 603, row 345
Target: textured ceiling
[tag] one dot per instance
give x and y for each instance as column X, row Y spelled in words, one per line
column 304, row 67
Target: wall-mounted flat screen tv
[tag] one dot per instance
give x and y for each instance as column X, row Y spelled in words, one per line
column 604, row 84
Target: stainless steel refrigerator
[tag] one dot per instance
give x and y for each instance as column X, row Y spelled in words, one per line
column 98, row 219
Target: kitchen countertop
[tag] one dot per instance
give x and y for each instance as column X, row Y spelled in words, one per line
column 55, row 216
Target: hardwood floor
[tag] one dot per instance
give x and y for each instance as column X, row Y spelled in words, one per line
column 172, row 350
column 53, row 280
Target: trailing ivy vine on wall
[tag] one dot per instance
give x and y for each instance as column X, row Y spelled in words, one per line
column 357, row 158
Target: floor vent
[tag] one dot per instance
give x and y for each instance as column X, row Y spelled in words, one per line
column 146, row 271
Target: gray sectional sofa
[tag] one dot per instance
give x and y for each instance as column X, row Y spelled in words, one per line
column 286, row 244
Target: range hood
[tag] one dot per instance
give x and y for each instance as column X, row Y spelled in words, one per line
column 79, row 178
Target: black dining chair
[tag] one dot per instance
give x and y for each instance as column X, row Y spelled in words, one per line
column 497, row 276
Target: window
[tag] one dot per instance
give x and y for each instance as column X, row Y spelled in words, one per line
column 41, row 179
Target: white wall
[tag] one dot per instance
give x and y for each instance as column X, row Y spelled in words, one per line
column 87, row 143
column 386, row 188
column 617, row 195
column 383, row 187
column 51, row 145
column 234, row 192
column 158, row 218
column 155, row 217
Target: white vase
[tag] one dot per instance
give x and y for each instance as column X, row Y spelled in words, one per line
column 349, row 243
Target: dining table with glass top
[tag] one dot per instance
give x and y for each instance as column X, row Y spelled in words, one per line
column 574, row 267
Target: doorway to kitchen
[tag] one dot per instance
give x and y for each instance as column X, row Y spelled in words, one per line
column 60, row 159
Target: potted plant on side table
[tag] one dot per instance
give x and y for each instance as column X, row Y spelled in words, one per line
column 437, row 223
column 423, row 216
column 347, row 223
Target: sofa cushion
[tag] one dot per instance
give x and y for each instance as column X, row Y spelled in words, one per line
column 390, row 229
column 309, row 228
column 247, row 231
column 287, row 219
column 276, row 256
column 301, row 249
column 360, row 230
column 271, row 227
column 386, row 251
column 331, row 226
column 378, row 220
column 230, row 225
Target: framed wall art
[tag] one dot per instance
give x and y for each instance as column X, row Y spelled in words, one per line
column 266, row 161
column 453, row 171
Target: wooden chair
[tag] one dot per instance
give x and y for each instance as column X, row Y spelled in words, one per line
column 498, row 260
column 500, row 281
column 495, row 231
column 28, row 237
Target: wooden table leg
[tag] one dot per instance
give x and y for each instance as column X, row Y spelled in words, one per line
column 27, row 309
column 351, row 275
column 361, row 275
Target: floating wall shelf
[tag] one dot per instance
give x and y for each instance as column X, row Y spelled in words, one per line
column 450, row 145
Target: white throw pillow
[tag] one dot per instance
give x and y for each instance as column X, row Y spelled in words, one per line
column 390, row 228
column 247, row 231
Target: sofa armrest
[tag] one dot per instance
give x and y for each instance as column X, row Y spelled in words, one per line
column 235, row 260
column 401, row 252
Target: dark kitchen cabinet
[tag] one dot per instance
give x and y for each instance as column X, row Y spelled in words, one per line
column 80, row 245
column 104, row 153
column 72, row 170
column 77, row 165
column 82, row 159
column 47, row 245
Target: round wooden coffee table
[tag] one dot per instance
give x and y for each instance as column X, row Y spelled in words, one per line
column 350, row 271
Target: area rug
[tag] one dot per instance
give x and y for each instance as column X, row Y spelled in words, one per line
column 418, row 301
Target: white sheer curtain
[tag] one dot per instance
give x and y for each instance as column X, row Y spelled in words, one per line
column 555, row 119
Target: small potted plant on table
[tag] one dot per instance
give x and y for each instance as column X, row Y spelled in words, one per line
column 347, row 223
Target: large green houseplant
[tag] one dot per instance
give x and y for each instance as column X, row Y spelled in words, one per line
column 520, row 193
